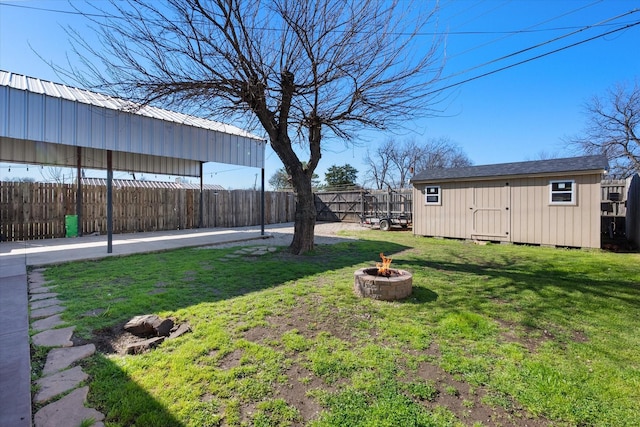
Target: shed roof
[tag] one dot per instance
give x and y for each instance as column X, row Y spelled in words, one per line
column 584, row 164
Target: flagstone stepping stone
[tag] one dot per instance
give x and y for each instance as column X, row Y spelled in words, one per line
column 46, row 311
column 53, row 385
column 47, row 323
column 54, row 337
column 68, row 411
column 36, row 297
column 42, row 303
column 40, row 289
column 61, row 358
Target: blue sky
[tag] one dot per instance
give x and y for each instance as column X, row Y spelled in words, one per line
column 513, row 115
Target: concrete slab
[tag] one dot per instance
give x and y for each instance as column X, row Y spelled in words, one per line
column 47, row 323
column 15, row 380
column 13, row 299
column 68, row 411
column 15, row 363
column 54, row 337
column 61, row 358
column 60, row 382
column 9, row 269
column 46, row 312
column 58, row 251
column 34, row 305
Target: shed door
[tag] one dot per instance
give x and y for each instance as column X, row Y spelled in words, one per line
column 490, row 217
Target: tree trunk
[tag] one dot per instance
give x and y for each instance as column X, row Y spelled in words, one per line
column 305, row 219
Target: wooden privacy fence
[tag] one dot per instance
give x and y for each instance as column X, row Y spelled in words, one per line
column 357, row 205
column 30, row 211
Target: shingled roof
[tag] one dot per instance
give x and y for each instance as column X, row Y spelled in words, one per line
column 584, row 164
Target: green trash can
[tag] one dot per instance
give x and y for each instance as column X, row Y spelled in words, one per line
column 71, row 225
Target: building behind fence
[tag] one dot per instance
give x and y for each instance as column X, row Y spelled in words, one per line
column 31, row 211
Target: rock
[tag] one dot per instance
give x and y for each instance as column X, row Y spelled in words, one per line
column 42, row 295
column 180, row 330
column 47, row 323
column 142, row 346
column 61, row 358
column 149, row 325
column 68, row 411
column 39, row 313
column 42, row 303
column 54, row 337
column 60, row 382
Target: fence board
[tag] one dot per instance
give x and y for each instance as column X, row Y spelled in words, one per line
column 31, row 211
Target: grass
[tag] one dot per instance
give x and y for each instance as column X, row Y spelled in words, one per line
column 499, row 331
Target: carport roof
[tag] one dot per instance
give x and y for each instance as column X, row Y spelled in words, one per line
column 584, row 164
column 43, row 122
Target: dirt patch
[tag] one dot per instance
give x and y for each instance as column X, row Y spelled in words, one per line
column 294, row 392
column 112, row 340
column 467, row 404
column 231, row 360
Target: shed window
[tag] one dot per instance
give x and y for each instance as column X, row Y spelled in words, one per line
column 432, row 195
column 562, row 192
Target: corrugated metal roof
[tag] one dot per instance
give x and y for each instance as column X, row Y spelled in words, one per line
column 58, row 90
column 131, row 183
column 146, row 139
column 552, row 166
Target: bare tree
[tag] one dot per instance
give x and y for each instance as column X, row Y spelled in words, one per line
column 301, row 70
column 53, row 174
column 613, row 129
column 395, row 162
column 379, row 165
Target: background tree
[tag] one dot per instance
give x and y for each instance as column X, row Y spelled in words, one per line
column 53, row 174
column 340, row 177
column 280, row 180
column 394, row 162
column 302, row 70
column 379, row 165
column 613, row 129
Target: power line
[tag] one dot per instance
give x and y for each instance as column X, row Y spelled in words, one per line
column 533, row 58
column 588, row 27
column 463, row 33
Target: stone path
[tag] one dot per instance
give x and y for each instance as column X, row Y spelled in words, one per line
column 57, row 388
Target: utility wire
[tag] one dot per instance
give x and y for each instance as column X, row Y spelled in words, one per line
column 588, row 27
column 533, row 58
column 464, row 33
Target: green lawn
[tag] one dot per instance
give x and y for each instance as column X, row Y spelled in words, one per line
column 492, row 335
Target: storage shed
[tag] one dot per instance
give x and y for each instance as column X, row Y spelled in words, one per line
column 548, row 202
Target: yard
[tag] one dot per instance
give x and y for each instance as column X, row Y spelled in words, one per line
column 493, row 335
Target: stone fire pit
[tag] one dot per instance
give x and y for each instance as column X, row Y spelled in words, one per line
column 396, row 285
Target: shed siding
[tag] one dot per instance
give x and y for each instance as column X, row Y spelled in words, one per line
column 482, row 209
column 446, row 220
column 535, row 220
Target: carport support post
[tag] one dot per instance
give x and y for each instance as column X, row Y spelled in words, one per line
column 79, row 191
column 262, row 203
column 109, row 201
column 201, row 210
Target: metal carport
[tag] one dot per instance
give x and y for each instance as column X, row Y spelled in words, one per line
column 47, row 123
